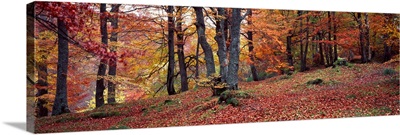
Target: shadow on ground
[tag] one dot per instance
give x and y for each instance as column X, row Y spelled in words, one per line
column 18, row 125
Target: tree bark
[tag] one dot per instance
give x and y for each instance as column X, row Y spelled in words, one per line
column 366, row 36
column 181, row 55
column 304, row 58
column 112, row 71
column 100, row 83
column 330, row 50
column 289, row 50
column 171, row 54
column 302, row 50
column 221, row 41
column 387, row 49
column 321, row 50
column 234, row 50
column 209, row 57
column 61, row 102
column 335, row 51
column 42, row 88
column 361, row 34
column 251, row 48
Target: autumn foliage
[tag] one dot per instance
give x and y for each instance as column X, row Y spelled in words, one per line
column 162, row 53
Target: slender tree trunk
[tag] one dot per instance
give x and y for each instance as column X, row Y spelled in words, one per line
column 222, row 50
column 112, row 71
column 251, row 47
column 181, row 55
column 330, row 50
column 227, row 28
column 171, row 54
column 327, row 58
column 42, row 88
column 100, row 83
column 321, row 50
column 335, row 51
column 201, row 27
column 387, row 49
column 387, row 55
column 361, row 33
column 289, row 50
column 302, row 62
column 61, row 101
column 234, row 50
column 304, row 58
column 366, row 36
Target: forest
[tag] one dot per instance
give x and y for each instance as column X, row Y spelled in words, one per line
column 98, row 66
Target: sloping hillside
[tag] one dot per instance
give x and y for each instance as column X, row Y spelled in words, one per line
column 360, row 90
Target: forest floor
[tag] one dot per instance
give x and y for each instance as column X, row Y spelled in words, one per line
column 357, row 91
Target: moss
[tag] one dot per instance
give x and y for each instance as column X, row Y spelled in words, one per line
column 351, row 96
column 285, row 77
column 316, row 81
column 241, row 94
column 97, row 115
column 66, row 119
column 119, row 127
column 389, row 71
column 233, row 101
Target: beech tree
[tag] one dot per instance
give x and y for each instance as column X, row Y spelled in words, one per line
column 209, row 57
column 234, row 50
column 181, row 54
column 100, row 82
column 221, row 41
column 112, row 71
column 171, row 54
column 251, row 47
column 61, row 102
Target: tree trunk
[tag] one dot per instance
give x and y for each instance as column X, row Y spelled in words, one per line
column 335, row 51
column 42, row 88
column 61, row 101
column 227, row 28
column 112, row 71
column 330, row 50
column 171, row 54
column 289, row 50
column 321, row 50
column 366, row 36
column 251, row 47
column 181, row 55
column 201, row 27
column 220, row 38
column 327, row 58
column 304, row 58
column 387, row 49
column 234, row 50
column 100, row 83
column 361, row 34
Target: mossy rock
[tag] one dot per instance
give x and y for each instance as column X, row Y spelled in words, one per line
column 229, row 97
column 241, row 94
column 341, row 62
column 233, row 101
column 315, row 82
column 172, row 102
column 389, row 71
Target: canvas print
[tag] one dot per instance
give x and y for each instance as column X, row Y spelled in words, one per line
column 104, row 66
